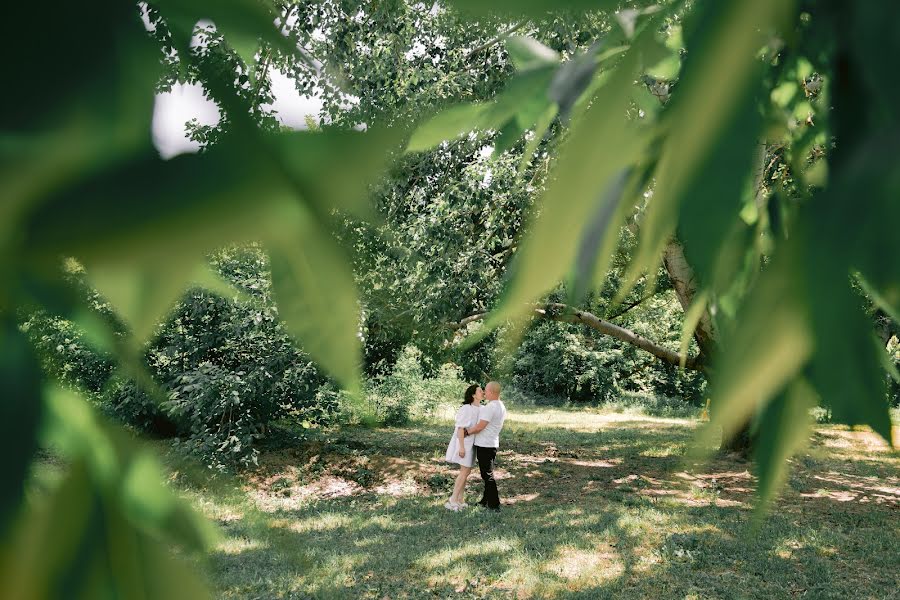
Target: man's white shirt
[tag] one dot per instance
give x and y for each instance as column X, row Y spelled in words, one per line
column 494, row 412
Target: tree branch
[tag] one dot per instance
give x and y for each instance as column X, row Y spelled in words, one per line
column 637, row 302
column 494, row 40
column 560, row 312
column 463, row 322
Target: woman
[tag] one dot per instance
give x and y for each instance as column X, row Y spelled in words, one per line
column 460, row 450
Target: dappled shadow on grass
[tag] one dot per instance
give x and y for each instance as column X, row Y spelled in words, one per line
column 601, row 509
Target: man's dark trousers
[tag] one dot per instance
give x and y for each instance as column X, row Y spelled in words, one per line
column 486, row 457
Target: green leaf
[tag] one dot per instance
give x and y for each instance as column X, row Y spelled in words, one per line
column 524, row 95
column 601, row 144
column 599, row 239
column 124, row 470
column 314, row 289
column 783, row 430
column 507, row 138
column 527, row 53
column 21, row 405
column 142, row 253
column 333, row 169
column 773, row 342
column 692, row 317
column 542, row 125
column 846, row 367
column 446, row 125
column 571, row 80
column 713, row 126
column 78, row 544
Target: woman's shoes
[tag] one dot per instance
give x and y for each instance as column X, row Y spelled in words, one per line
column 454, row 506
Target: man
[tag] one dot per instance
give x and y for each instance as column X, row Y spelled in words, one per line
column 487, row 441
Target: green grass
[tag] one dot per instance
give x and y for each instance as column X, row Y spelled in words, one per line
column 598, row 504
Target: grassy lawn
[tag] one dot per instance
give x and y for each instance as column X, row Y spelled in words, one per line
column 597, row 504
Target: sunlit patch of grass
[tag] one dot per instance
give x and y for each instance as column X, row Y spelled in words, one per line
column 237, row 545
column 585, row 566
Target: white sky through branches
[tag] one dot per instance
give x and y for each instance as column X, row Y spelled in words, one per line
column 186, row 101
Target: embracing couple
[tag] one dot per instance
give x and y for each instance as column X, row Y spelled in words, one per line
column 477, row 438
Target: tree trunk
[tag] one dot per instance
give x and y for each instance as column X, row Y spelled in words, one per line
column 684, row 282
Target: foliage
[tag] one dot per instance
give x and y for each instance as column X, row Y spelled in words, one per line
column 558, row 359
column 408, row 392
column 66, row 354
column 225, row 366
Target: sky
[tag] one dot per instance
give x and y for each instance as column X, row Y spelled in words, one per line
column 185, row 102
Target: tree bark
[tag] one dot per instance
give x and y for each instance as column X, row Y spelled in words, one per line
column 684, row 282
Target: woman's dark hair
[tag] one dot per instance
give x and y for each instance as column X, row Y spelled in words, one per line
column 469, row 396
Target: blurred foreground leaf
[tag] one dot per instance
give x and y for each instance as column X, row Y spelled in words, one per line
column 21, row 406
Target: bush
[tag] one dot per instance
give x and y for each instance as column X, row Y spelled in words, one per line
column 66, row 355
column 226, row 366
column 571, row 362
column 407, row 391
column 655, row 405
column 126, row 402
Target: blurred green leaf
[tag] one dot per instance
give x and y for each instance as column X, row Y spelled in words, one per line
column 874, row 43
column 599, row 239
column 542, row 125
column 333, row 169
column 783, row 429
column 507, row 137
column 446, row 125
column 525, row 94
column 601, row 144
column 77, row 544
column 527, row 53
column 846, row 367
column 313, row 285
column 127, row 472
column 21, row 406
column 142, row 253
column 712, row 130
column 772, row 343
column 692, row 318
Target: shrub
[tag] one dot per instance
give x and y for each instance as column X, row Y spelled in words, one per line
column 407, row 391
column 656, row 405
column 128, row 403
column 565, row 361
column 226, row 365
column 65, row 353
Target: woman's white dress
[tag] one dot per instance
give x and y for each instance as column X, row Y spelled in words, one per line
column 466, row 416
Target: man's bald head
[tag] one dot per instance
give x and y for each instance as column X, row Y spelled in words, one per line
column 492, row 390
